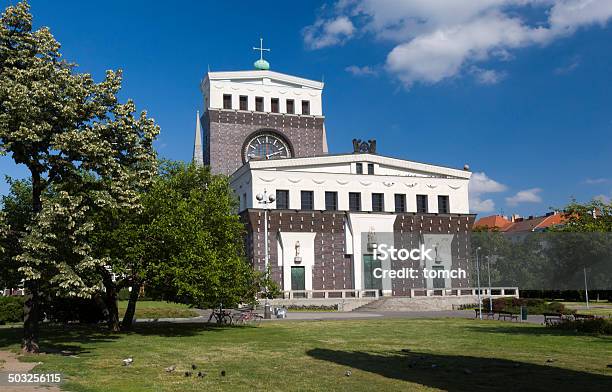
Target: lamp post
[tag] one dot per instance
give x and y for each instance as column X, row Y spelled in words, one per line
column 265, row 199
column 586, row 288
column 490, row 292
column 478, row 277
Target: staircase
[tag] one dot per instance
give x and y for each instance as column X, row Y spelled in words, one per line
column 415, row 304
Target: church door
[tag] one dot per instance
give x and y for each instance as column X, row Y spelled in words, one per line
column 438, row 283
column 298, row 280
column 369, row 281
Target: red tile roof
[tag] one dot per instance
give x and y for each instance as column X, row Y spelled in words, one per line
column 521, row 224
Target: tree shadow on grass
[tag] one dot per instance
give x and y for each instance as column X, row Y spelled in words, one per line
column 464, row 373
column 68, row 339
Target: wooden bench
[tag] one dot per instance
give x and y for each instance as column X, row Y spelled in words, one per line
column 552, row 318
column 583, row 316
column 507, row 315
column 484, row 313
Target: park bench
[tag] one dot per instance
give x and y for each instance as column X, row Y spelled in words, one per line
column 552, row 318
column 485, row 312
column 583, row 316
column 507, row 315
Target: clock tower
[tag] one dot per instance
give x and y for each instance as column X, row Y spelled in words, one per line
column 258, row 115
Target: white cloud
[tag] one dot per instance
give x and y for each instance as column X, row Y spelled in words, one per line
column 329, row 32
column 487, row 76
column 361, row 71
column 596, row 181
column 569, row 67
column 525, row 196
column 478, row 205
column 480, row 184
column 438, row 39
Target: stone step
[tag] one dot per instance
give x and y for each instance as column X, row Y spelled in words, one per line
column 407, row 304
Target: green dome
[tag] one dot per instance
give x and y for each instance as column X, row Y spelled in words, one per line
column 262, row 65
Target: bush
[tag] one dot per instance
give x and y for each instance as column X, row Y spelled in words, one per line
column 600, row 326
column 312, row 308
column 534, row 306
column 11, row 309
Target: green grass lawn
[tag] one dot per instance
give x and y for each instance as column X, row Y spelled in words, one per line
column 158, row 309
column 603, row 309
column 444, row 354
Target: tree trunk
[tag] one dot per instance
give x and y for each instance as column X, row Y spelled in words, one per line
column 128, row 318
column 31, row 307
column 111, row 311
column 31, row 312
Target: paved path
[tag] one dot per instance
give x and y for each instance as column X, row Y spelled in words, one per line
column 295, row 316
column 10, row 364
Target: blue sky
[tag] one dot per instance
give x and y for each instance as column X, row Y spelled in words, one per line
column 519, row 90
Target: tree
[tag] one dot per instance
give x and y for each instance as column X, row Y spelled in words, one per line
column 594, row 216
column 16, row 208
column 185, row 245
column 75, row 139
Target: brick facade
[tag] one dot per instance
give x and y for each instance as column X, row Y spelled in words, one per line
column 333, row 269
column 225, row 132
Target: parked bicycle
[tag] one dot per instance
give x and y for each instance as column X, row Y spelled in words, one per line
column 248, row 316
column 221, row 316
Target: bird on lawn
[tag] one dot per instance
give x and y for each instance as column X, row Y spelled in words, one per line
column 187, row 374
column 201, row 374
column 193, row 366
column 128, row 361
column 170, row 369
column 222, row 373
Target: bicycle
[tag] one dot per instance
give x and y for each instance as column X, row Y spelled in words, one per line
column 249, row 316
column 221, row 316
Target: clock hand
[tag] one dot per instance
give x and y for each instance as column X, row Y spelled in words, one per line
column 274, row 153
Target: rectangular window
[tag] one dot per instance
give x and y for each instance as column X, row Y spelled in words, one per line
column 274, row 105
column 305, row 107
column 443, row 205
column 245, row 200
column 307, row 200
column 290, row 106
column 354, row 201
column 400, row 202
column 331, row 201
column 370, row 168
column 378, row 202
column 422, row 204
column 227, row 101
column 244, row 102
column 282, row 199
column 359, row 168
column 259, row 104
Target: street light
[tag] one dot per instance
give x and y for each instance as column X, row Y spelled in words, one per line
column 265, row 199
column 478, row 277
column 490, row 292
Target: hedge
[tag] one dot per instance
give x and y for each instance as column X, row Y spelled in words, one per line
column 534, row 306
column 600, row 326
column 11, row 309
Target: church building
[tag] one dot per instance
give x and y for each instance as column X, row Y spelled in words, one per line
column 324, row 214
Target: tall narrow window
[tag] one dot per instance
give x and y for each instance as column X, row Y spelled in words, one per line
column 400, row 202
column 422, row 204
column 305, row 107
column 259, row 104
column 290, row 106
column 370, row 168
column 274, row 105
column 443, row 205
column 245, row 200
column 331, row 201
column 307, row 200
column 282, row 199
column 244, row 102
column 354, row 201
column 227, row 101
column 359, row 168
column 378, row 202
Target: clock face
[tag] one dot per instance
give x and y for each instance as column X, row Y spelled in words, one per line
column 266, row 146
